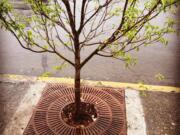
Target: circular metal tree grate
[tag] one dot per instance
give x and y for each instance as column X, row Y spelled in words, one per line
column 109, row 103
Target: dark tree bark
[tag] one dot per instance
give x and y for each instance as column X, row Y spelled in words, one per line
column 77, row 83
column 77, row 92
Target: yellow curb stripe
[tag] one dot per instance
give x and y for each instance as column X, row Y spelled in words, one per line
column 135, row 86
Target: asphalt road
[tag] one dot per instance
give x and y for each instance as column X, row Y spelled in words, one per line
column 151, row 61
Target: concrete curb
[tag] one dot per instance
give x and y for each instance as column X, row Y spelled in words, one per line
column 12, row 77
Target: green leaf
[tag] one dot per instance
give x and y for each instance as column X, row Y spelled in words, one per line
column 163, row 2
column 45, row 47
column 60, row 67
column 137, row 48
column 159, row 77
column 46, row 74
column 29, row 34
column 129, row 60
column 163, row 41
column 142, row 86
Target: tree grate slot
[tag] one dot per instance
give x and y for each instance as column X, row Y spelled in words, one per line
column 109, row 102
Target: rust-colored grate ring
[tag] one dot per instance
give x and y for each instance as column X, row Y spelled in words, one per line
column 47, row 120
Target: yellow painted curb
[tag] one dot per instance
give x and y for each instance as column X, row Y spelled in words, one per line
column 89, row 82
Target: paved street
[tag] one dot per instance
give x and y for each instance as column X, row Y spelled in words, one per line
column 151, row 61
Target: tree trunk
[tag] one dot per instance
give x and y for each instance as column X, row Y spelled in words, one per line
column 77, row 92
column 77, row 84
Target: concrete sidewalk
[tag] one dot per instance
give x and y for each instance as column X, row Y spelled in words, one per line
column 147, row 112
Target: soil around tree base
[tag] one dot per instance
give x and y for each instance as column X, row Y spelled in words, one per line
column 87, row 114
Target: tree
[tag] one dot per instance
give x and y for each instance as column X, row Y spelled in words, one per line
column 85, row 23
